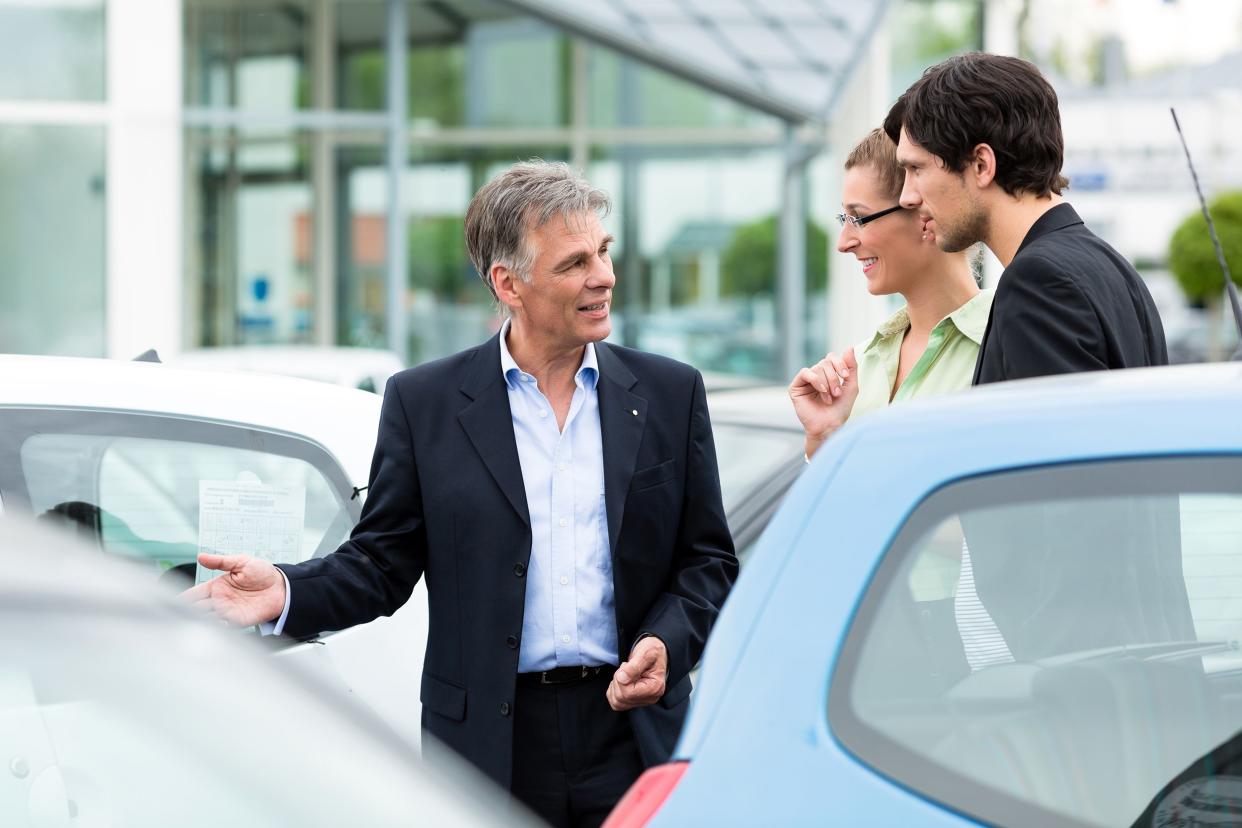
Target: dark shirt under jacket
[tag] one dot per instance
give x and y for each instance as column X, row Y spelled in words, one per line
column 1068, row 302
column 447, row 502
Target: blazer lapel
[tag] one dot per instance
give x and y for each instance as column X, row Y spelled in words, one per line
column 622, row 418
column 489, row 424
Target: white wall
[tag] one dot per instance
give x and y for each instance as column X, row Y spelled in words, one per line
column 144, row 228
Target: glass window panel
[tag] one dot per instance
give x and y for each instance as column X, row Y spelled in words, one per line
column 252, row 55
column 141, row 496
column 626, row 93
column 437, row 85
column 1023, row 625
column 516, row 75
column 64, row 39
column 52, row 240
column 253, row 248
column 756, row 41
column 362, row 258
column 703, row 229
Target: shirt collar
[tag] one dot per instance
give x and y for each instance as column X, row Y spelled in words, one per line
column 894, row 325
column 588, row 371
column 971, row 319
column 1057, row 218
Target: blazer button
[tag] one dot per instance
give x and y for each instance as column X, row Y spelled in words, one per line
column 504, row 708
column 519, row 569
column 512, row 642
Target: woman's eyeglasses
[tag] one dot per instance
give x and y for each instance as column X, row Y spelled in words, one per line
column 857, row 222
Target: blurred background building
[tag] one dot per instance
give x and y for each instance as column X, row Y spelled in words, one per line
column 197, row 173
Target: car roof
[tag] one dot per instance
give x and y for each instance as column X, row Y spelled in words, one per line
column 343, row 420
column 318, row 362
column 47, row 574
column 764, row 406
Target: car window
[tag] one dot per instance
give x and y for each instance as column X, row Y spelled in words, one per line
column 1052, row 645
column 161, row 490
column 749, row 455
column 113, row 716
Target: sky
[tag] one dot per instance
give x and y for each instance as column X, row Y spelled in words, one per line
column 1156, row 33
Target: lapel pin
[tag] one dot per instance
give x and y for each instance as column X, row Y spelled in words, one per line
column 635, row 412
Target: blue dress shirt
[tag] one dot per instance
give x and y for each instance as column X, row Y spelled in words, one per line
column 570, row 619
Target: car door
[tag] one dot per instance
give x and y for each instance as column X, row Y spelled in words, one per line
column 1055, row 644
column 156, row 488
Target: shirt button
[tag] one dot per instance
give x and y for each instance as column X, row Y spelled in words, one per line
column 565, row 639
column 512, row 642
column 504, row 708
column 564, row 581
column 560, row 467
column 542, row 413
column 563, row 522
column 519, row 569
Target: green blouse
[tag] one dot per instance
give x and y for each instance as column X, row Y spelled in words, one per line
column 946, row 366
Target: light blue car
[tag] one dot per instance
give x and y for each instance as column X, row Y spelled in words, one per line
column 1019, row 605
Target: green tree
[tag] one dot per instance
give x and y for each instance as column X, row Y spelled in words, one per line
column 437, row 257
column 750, row 261
column 1192, row 257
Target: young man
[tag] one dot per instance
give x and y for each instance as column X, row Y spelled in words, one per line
column 979, row 137
column 561, row 497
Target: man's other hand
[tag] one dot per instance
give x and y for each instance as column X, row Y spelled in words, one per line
column 641, row 680
column 250, row 591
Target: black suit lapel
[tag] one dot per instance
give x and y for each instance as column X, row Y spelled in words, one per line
column 622, row 417
column 489, row 424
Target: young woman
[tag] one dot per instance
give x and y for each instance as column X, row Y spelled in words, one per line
column 927, row 347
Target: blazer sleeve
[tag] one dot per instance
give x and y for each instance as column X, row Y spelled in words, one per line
column 374, row 572
column 705, row 566
column 1046, row 324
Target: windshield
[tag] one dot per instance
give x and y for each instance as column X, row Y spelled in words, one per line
column 749, row 455
column 160, row 489
column 1055, row 644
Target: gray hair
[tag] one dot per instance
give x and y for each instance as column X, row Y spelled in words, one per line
column 523, row 198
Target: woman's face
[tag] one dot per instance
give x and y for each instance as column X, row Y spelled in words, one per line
column 892, row 249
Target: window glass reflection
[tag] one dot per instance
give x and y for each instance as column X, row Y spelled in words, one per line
column 63, row 38
column 52, row 240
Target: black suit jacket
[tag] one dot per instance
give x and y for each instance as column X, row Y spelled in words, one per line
column 1068, row 302
column 447, row 502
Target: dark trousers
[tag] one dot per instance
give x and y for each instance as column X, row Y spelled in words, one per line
column 574, row 757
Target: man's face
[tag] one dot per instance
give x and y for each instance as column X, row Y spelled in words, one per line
column 942, row 198
column 568, row 299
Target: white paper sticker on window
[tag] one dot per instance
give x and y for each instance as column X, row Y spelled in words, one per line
column 245, row 518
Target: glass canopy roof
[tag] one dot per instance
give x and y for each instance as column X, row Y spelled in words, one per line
column 790, row 58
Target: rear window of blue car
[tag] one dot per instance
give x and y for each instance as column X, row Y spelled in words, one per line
column 1055, row 645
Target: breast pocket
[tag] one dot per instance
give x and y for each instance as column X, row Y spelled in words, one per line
column 653, row 476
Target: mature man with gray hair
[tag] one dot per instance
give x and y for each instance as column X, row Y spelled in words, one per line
column 561, row 496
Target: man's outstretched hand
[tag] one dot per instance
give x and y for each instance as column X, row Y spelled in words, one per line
column 641, row 680
column 251, row 591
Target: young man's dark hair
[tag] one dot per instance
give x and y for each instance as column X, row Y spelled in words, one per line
column 978, row 98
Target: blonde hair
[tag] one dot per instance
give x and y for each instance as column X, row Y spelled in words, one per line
column 880, row 154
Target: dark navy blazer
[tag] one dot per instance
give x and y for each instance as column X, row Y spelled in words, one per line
column 1068, row 302
column 447, row 502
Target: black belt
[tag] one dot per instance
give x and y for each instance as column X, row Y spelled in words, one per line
column 564, row 675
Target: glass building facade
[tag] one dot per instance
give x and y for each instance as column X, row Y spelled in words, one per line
column 311, row 161
column 52, row 177
column 289, row 119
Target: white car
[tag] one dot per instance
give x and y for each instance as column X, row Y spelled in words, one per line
column 151, row 462
column 120, row 707
column 364, row 368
